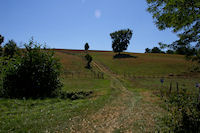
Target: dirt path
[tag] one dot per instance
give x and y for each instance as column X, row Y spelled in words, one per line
column 128, row 112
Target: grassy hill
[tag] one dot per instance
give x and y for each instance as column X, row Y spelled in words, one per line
column 143, row 64
column 108, row 94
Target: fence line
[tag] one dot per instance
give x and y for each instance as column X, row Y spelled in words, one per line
column 92, row 75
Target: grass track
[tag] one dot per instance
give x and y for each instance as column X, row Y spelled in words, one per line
column 117, row 105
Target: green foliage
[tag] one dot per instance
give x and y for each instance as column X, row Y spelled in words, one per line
column 10, row 49
column 87, row 47
column 162, row 45
column 194, row 55
column 170, row 52
column 147, row 50
column 1, row 41
column 182, row 16
column 89, row 59
column 121, row 40
column 155, row 50
column 184, row 113
column 35, row 74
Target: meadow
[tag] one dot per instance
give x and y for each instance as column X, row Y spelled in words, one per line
column 141, row 97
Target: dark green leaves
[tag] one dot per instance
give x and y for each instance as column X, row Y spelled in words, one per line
column 120, row 40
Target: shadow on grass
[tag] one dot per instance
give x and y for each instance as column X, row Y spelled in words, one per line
column 62, row 95
column 118, row 56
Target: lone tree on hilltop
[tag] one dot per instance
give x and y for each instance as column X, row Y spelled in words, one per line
column 183, row 17
column 121, row 40
column 87, row 47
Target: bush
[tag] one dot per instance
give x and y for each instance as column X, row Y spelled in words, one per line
column 155, row 50
column 1, row 41
column 10, row 49
column 184, row 113
column 35, row 74
column 89, row 60
column 170, row 52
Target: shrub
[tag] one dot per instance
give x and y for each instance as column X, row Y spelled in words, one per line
column 35, row 74
column 89, row 60
column 155, row 50
column 184, row 113
column 147, row 50
column 1, row 41
column 170, row 52
column 10, row 49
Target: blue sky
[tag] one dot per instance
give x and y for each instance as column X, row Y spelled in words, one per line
column 70, row 24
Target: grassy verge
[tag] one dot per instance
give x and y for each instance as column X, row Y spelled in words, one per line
column 53, row 114
column 149, row 92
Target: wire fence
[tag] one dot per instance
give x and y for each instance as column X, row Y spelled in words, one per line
column 83, row 75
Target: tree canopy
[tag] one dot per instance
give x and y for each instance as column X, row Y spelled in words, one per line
column 10, row 48
column 121, row 40
column 1, row 39
column 87, row 47
column 183, row 16
column 147, row 50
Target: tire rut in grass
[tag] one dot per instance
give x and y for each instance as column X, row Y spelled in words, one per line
column 126, row 112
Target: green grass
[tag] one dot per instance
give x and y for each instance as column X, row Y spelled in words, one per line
column 155, row 84
column 144, row 64
column 52, row 114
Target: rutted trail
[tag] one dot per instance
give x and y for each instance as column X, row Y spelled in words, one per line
column 125, row 113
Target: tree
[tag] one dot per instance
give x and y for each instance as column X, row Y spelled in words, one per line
column 183, row 16
column 1, row 41
column 170, row 52
column 87, row 47
column 35, row 74
column 89, row 60
column 155, row 50
column 121, row 40
column 10, row 48
column 147, row 50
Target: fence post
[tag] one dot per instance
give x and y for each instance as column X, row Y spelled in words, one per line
column 161, row 81
column 102, row 75
column 170, row 88
column 177, row 87
column 199, row 95
column 94, row 75
column 79, row 74
column 72, row 74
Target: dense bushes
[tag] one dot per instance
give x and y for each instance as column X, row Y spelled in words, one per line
column 10, row 49
column 184, row 113
column 35, row 74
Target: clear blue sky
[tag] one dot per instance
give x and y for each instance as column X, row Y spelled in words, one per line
column 70, row 24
